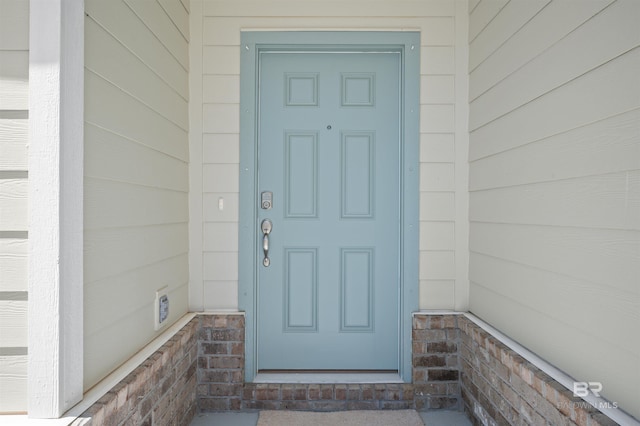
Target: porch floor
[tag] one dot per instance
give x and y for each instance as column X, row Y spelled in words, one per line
column 430, row 418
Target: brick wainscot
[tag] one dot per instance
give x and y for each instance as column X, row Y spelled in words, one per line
column 457, row 365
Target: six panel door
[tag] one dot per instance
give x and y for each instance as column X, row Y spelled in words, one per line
column 329, row 151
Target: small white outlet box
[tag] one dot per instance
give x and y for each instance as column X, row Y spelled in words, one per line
column 161, row 307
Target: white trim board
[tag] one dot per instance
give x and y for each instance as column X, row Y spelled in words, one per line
column 56, row 160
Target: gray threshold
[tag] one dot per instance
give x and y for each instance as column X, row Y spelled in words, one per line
column 430, row 418
column 326, row 378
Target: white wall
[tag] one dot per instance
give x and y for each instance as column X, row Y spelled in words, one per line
column 214, row 111
column 14, row 94
column 136, row 174
column 555, row 183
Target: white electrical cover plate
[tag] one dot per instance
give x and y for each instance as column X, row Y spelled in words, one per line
column 161, row 310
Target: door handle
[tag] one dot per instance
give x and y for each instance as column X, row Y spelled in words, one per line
column 266, row 227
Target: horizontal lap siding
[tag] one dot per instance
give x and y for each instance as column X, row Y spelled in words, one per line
column 14, row 113
column 555, row 184
column 136, row 174
column 216, row 96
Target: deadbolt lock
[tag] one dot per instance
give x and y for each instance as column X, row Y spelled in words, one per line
column 266, row 200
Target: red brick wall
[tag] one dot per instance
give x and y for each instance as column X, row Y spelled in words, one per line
column 221, row 372
column 436, row 367
column 501, row 387
column 456, row 365
column 160, row 391
column 220, row 362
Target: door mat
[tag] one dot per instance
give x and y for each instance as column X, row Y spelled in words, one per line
column 340, row 418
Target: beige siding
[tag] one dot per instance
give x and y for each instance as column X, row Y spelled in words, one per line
column 555, row 184
column 217, row 25
column 14, row 100
column 136, row 174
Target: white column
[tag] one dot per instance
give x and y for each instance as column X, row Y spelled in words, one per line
column 56, row 105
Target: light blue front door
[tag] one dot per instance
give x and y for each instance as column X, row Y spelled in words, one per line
column 329, row 153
